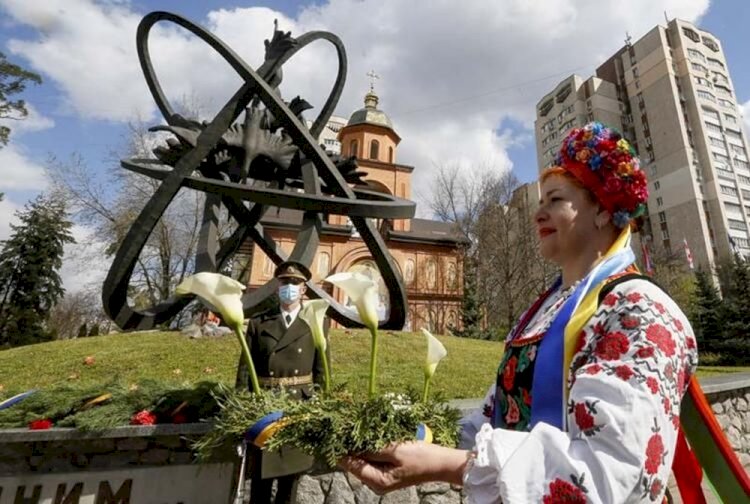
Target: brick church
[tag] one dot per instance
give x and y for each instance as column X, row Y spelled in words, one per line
column 427, row 252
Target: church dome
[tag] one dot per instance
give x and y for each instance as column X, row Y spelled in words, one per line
column 370, row 114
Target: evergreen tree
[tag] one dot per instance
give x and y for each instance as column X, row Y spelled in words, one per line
column 707, row 312
column 13, row 80
column 30, row 260
column 471, row 313
column 737, row 300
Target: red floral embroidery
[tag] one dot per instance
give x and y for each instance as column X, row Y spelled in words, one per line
column 624, row 372
column 645, row 352
column 600, row 329
column 509, row 373
column 610, row 299
column 513, row 415
column 629, row 322
column 654, row 490
column 593, row 369
column 678, row 325
column 612, row 346
column 584, row 420
column 654, row 453
column 653, row 385
column 659, row 335
column 667, row 405
column 634, row 297
column 659, row 307
column 691, row 343
column 526, row 397
column 560, row 491
column 580, row 342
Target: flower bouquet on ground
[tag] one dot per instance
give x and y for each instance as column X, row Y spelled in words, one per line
column 333, row 423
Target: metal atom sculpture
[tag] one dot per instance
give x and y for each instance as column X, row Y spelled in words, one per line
column 264, row 160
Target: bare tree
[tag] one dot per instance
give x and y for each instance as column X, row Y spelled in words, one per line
column 503, row 251
column 109, row 202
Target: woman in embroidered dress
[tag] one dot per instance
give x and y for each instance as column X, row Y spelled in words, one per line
column 585, row 406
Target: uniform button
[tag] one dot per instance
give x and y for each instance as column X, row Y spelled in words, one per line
column 299, row 350
column 270, row 373
column 296, row 371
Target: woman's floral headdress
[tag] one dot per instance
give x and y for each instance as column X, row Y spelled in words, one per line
column 606, row 164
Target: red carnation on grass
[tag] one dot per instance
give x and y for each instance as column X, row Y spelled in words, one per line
column 562, row 491
column 42, row 424
column 612, row 346
column 654, row 453
column 144, row 417
column 179, row 418
column 584, row 420
column 659, row 335
column 624, row 372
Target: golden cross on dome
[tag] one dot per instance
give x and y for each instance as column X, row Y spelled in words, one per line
column 373, row 76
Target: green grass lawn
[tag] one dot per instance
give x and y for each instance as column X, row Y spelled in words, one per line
column 466, row 372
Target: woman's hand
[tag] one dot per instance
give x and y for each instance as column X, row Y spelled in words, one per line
column 407, row 464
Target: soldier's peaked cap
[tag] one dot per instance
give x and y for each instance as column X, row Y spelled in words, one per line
column 292, row 269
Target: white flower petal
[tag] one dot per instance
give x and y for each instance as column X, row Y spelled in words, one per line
column 219, row 292
column 435, row 352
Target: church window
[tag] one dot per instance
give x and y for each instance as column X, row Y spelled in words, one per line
column 353, row 148
column 374, row 149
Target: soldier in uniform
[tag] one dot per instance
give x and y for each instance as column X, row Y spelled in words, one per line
column 284, row 355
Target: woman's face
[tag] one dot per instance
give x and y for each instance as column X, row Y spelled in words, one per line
column 565, row 220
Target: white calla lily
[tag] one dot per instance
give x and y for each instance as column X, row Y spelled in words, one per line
column 435, row 353
column 363, row 292
column 313, row 313
column 223, row 294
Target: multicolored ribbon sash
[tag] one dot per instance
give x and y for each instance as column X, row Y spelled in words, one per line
column 549, row 389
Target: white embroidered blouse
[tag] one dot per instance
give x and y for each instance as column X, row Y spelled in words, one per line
column 626, row 381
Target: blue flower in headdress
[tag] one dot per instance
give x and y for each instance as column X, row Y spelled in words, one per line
column 621, row 218
column 596, row 128
column 592, row 143
column 595, row 162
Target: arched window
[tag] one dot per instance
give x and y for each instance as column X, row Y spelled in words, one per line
column 374, row 149
column 390, row 154
column 353, row 148
column 324, row 264
column 409, row 271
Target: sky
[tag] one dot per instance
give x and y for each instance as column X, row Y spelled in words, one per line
column 460, row 80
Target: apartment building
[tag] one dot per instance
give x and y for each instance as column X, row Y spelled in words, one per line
column 674, row 100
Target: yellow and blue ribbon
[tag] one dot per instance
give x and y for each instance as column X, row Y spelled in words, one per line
column 549, row 390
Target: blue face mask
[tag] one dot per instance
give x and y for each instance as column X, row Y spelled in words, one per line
column 289, row 293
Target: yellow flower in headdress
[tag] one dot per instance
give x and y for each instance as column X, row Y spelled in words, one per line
column 587, row 135
column 583, row 155
column 623, row 145
column 624, row 169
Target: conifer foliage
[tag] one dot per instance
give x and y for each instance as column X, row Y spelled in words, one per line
column 30, row 261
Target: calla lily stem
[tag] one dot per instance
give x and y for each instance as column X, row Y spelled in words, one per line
column 326, row 373
column 248, row 360
column 426, row 389
column 373, row 360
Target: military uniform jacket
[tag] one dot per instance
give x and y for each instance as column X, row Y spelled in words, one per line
column 279, row 352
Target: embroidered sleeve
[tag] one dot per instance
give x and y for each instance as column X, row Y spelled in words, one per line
column 473, row 422
column 634, row 360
